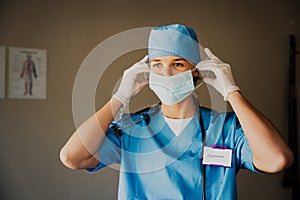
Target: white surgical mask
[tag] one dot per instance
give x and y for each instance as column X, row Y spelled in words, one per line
column 172, row 89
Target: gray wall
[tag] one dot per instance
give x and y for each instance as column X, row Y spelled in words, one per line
column 252, row 37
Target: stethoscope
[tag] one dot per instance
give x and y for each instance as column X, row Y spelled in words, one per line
column 203, row 166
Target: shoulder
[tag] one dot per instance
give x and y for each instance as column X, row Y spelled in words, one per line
column 212, row 116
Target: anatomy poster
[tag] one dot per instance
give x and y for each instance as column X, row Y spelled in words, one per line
column 27, row 73
column 2, row 72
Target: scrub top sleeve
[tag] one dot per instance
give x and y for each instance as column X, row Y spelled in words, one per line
column 243, row 154
column 109, row 151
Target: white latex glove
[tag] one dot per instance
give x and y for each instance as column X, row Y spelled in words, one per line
column 223, row 81
column 130, row 86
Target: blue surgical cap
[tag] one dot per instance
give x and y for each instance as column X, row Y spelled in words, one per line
column 174, row 40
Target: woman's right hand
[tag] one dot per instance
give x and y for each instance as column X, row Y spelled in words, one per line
column 130, row 86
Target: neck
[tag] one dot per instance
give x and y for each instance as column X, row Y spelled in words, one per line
column 184, row 109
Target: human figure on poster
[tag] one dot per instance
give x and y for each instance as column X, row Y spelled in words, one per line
column 28, row 70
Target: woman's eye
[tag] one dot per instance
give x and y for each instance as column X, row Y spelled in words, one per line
column 156, row 65
column 178, row 65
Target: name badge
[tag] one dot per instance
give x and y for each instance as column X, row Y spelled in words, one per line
column 217, row 156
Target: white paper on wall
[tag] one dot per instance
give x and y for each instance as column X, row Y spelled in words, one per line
column 2, row 72
column 27, row 73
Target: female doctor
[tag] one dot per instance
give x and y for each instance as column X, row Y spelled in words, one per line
column 177, row 149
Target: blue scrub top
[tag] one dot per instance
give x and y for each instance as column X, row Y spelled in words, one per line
column 156, row 164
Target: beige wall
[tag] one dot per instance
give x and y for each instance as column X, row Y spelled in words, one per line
column 252, row 36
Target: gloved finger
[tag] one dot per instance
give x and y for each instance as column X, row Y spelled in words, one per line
column 208, row 69
column 145, row 59
column 143, row 68
column 210, row 54
column 207, row 65
column 138, row 68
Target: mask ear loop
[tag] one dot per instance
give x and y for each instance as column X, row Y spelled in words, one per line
column 200, row 78
column 201, row 74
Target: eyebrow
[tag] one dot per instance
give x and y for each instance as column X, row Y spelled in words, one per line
column 177, row 59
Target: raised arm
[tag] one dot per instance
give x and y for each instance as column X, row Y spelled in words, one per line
column 80, row 151
column 270, row 152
